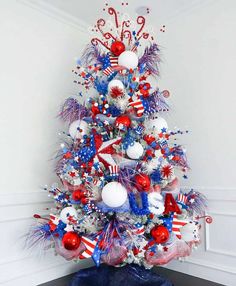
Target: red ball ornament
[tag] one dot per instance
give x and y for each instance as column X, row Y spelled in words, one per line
column 142, row 182
column 123, row 121
column 71, row 240
column 160, row 234
column 117, row 48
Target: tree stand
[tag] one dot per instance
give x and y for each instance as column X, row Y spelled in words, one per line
column 129, row 275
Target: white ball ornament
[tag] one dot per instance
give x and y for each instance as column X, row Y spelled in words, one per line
column 128, row 60
column 68, row 212
column 114, row 194
column 135, row 151
column 115, row 83
column 157, row 124
column 78, row 129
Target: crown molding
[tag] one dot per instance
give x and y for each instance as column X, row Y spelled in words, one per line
column 56, row 14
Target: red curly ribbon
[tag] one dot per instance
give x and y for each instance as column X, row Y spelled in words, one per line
column 95, row 42
column 129, row 36
column 141, row 21
column 112, row 11
column 208, row 218
column 109, row 36
column 124, row 24
column 101, row 23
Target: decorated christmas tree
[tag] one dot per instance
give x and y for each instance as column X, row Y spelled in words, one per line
column 119, row 199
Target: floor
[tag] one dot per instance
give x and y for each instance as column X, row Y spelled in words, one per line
column 177, row 278
column 181, row 279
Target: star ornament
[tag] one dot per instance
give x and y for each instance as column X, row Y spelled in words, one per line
column 192, row 201
column 165, row 248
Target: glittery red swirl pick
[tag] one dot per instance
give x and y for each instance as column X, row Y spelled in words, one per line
column 101, row 23
column 127, row 34
column 208, row 218
column 124, row 24
column 112, row 11
column 141, row 21
column 95, row 42
column 109, row 36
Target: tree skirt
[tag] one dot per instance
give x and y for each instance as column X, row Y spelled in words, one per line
column 129, row 275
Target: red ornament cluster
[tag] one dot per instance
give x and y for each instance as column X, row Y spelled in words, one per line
column 80, row 194
column 144, row 89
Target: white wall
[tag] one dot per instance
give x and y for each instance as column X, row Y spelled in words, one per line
column 199, row 69
column 37, row 54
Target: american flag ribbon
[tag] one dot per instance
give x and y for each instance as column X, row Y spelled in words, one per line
column 108, row 71
column 112, row 62
column 114, row 170
column 138, row 104
column 90, row 246
column 176, row 225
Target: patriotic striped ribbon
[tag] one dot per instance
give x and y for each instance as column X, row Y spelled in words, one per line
column 113, row 63
column 108, row 71
column 90, row 246
column 176, row 225
column 138, row 105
